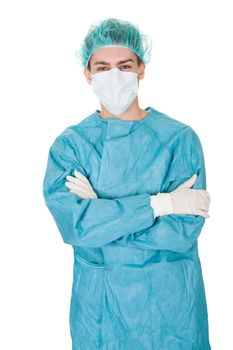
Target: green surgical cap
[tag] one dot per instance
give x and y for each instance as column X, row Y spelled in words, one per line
column 114, row 32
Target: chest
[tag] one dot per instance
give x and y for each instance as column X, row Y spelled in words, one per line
column 128, row 164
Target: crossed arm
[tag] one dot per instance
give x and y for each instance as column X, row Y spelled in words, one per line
column 94, row 222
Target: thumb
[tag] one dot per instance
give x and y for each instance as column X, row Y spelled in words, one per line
column 188, row 183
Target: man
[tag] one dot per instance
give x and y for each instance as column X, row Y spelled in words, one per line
column 127, row 189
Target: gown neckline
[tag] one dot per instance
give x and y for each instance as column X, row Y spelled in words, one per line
column 121, row 121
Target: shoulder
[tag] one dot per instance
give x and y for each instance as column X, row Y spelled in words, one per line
column 170, row 129
column 76, row 133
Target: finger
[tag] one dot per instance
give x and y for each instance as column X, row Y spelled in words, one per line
column 68, row 184
column 207, row 194
column 188, row 183
column 78, row 194
column 204, row 207
column 74, row 185
column 81, row 194
column 201, row 196
column 75, row 180
column 78, row 183
column 95, row 195
column 84, row 189
column 204, row 201
column 203, row 213
column 203, row 193
column 71, row 178
column 79, row 180
column 75, row 192
column 84, row 195
column 80, row 176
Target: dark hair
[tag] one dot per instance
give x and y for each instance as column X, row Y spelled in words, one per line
column 139, row 61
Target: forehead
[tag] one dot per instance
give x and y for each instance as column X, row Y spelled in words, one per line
column 112, row 54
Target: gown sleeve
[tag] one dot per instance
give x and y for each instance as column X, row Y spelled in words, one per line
column 89, row 222
column 177, row 232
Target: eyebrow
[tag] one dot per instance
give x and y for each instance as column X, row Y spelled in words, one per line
column 107, row 63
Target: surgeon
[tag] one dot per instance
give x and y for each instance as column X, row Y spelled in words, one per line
column 126, row 187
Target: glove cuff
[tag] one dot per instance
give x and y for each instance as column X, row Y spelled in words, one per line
column 161, row 204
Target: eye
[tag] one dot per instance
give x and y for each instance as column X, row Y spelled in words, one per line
column 125, row 66
column 102, row 68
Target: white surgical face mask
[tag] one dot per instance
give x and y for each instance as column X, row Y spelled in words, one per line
column 115, row 89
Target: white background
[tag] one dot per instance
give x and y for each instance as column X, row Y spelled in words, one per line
column 43, row 90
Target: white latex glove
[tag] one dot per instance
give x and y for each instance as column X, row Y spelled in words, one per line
column 80, row 185
column 183, row 200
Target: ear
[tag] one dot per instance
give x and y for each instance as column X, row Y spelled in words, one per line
column 87, row 75
column 141, row 71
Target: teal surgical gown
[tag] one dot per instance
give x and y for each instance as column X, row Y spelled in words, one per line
column 137, row 280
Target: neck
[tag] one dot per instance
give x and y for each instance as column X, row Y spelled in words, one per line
column 133, row 112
